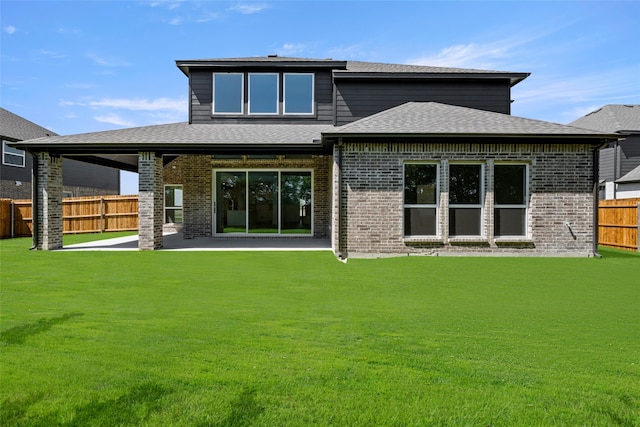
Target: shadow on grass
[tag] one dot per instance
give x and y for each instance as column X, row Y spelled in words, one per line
column 244, row 410
column 130, row 409
column 617, row 253
column 18, row 334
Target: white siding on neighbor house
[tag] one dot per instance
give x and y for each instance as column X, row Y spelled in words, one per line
column 628, row 191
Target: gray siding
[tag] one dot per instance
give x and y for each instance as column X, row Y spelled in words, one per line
column 614, row 165
column 630, row 156
column 201, row 82
column 358, row 99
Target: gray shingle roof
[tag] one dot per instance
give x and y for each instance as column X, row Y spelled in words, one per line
column 633, row 176
column 348, row 68
column 432, row 118
column 377, row 67
column 184, row 134
column 18, row 128
column 611, row 118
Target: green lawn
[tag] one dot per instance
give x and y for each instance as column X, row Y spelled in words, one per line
column 289, row 339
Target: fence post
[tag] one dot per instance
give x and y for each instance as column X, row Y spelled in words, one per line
column 101, row 215
column 638, row 229
column 13, row 214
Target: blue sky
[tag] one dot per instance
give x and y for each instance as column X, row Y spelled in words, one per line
column 84, row 66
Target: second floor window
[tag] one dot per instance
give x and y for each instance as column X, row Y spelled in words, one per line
column 12, row 156
column 228, row 93
column 263, row 94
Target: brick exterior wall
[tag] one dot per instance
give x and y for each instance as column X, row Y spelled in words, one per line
column 150, row 201
column 195, row 173
column 48, row 197
column 560, row 206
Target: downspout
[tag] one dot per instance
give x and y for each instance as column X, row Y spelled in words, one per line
column 34, row 202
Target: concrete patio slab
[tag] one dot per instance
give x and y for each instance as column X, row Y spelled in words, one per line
column 176, row 242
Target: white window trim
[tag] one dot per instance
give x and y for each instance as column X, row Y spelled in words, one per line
column 313, row 94
column 277, row 112
column 213, row 95
column 422, row 205
column 279, row 171
column 5, row 152
column 524, row 206
column 482, row 234
column 172, row 208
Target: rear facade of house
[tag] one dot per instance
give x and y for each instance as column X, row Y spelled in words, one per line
column 381, row 159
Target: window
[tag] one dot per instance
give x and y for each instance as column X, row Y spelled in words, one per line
column 228, row 93
column 263, row 94
column 298, row 94
column 173, row 204
column 12, row 156
column 465, row 199
column 510, row 191
column 263, row 202
column 420, row 199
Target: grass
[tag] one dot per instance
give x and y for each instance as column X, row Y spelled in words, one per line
column 288, row 339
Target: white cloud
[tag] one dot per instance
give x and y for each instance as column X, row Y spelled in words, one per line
column 208, row 17
column 114, row 119
column 248, row 9
column 132, row 104
column 10, row 29
column 288, row 49
column 51, row 54
column 175, row 21
column 107, row 62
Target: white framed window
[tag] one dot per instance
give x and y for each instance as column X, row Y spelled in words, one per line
column 298, row 93
column 173, row 204
column 421, row 195
column 228, row 93
column 466, row 196
column 511, row 195
column 12, row 156
column 263, row 93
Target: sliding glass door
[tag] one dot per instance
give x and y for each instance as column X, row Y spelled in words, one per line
column 263, row 202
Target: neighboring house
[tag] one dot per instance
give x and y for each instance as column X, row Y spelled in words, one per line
column 79, row 178
column 628, row 186
column 620, row 157
column 380, row 158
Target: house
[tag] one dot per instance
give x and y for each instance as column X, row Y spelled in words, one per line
column 79, row 178
column 621, row 156
column 379, row 158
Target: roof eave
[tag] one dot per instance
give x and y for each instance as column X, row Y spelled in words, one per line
column 600, row 138
column 514, row 78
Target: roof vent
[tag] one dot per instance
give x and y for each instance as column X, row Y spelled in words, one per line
column 272, row 55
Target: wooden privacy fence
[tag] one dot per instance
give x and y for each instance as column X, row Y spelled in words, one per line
column 618, row 223
column 79, row 215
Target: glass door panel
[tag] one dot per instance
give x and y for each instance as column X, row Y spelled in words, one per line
column 231, row 202
column 296, row 203
column 263, row 202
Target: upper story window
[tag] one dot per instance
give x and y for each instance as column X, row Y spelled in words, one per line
column 298, row 93
column 12, row 156
column 228, row 93
column 263, row 94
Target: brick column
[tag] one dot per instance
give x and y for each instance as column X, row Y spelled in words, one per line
column 47, row 202
column 150, row 201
